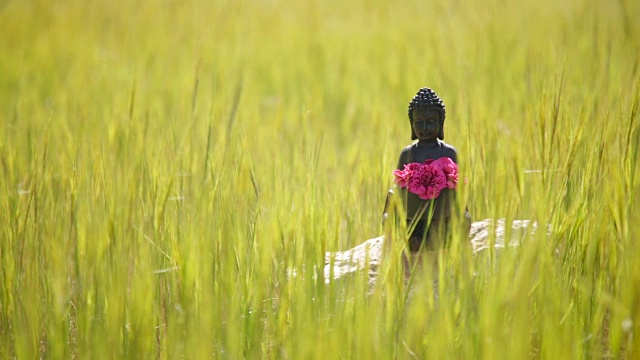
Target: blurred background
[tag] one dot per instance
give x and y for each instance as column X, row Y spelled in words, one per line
column 222, row 142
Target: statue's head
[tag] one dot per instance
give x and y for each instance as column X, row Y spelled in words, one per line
column 424, row 108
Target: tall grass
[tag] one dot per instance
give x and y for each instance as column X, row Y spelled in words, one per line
column 168, row 166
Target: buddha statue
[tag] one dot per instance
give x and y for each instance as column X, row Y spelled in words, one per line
column 426, row 117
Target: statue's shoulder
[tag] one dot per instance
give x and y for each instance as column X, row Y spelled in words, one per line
column 405, row 154
column 449, row 151
column 447, row 147
column 408, row 148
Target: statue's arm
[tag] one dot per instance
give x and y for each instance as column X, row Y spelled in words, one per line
column 466, row 215
column 402, row 160
column 385, row 213
column 390, row 193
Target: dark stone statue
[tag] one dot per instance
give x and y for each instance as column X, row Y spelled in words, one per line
column 432, row 230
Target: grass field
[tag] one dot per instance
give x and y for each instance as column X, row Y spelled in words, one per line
column 167, row 165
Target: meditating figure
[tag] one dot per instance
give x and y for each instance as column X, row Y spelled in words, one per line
column 427, row 209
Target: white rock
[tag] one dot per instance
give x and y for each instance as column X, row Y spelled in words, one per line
column 341, row 263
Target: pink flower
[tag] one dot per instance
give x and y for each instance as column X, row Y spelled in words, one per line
column 402, row 177
column 412, row 167
column 428, row 179
column 427, row 182
column 450, row 170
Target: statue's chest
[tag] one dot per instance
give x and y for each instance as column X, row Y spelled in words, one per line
column 419, row 154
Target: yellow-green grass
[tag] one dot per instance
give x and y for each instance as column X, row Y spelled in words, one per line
column 167, row 165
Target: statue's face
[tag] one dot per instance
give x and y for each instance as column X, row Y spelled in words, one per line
column 426, row 124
